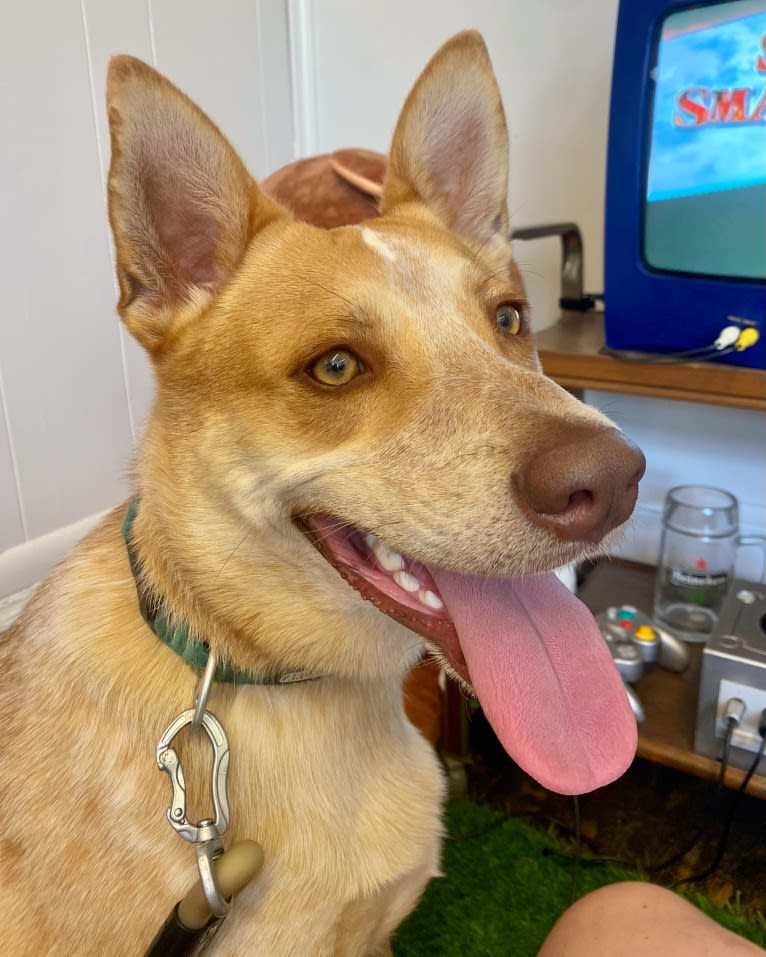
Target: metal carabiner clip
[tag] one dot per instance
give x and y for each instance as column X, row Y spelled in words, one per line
column 168, row 761
column 206, row 834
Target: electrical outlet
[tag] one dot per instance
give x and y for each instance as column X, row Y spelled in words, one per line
column 746, row 734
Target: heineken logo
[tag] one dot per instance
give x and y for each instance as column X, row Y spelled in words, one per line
column 695, row 580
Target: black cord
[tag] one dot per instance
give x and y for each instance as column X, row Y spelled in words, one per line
column 667, row 358
column 577, row 851
column 711, row 808
column 577, row 858
column 724, row 839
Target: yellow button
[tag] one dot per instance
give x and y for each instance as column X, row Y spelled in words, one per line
column 645, row 633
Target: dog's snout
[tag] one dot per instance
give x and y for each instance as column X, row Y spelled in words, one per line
column 584, row 484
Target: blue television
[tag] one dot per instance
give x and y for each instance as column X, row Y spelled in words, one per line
column 685, row 237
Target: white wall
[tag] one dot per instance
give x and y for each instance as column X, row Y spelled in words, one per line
column 74, row 388
column 690, row 444
column 276, row 75
column 553, row 63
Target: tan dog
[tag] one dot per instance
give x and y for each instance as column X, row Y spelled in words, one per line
column 351, row 431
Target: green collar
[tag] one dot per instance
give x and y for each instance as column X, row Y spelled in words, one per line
column 177, row 635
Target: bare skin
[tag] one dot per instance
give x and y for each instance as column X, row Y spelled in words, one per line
column 640, row 920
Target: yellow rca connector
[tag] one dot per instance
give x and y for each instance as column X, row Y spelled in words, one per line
column 748, row 337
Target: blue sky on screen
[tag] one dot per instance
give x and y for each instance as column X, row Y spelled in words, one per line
column 717, row 55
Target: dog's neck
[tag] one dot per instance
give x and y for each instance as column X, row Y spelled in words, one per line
column 177, row 635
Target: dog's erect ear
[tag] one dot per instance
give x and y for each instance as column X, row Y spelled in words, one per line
column 450, row 146
column 181, row 203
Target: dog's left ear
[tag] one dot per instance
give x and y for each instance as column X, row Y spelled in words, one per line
column 450, row 145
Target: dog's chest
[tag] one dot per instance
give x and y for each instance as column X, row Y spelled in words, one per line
column 348, row 811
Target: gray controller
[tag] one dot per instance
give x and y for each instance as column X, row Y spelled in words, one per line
column 635, row 642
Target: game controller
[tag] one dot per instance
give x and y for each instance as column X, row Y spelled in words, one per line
column 635, row 642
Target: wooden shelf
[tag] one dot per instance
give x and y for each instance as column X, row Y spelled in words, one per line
column 666, row 736
column 570, row 354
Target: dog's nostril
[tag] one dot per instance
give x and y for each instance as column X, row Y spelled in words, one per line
column 583, row 485
column 551, row 496
column 582, row 498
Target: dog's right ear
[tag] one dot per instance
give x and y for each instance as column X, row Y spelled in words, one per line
column 450, row 146
column 183, row 208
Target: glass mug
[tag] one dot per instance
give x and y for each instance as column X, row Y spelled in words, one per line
column 698, row 550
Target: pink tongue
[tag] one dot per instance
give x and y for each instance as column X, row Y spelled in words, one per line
column 544, row 676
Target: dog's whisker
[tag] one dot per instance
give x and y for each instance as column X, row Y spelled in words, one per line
column 233, row 552
column 480, row 249
column 327, row 533
column 313, row 282
column 500, row 271
column 526, row 271
column 424, row 661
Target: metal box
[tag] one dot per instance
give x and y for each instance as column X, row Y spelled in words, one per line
column 734, row 665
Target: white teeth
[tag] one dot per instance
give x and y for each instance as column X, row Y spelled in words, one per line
column 387, row 558
column 392, row 561
column 430, row 599
column 407, row 582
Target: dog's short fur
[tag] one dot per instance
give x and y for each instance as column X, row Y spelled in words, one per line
column 235, row 303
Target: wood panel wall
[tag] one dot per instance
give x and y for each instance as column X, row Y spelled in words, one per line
column 74, row 387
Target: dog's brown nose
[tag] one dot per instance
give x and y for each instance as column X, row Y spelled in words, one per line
column 584, row 484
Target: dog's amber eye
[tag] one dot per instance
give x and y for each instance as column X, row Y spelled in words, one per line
column 508, row 319
column 336, row 368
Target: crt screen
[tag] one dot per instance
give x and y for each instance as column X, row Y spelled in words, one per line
column 705, row 208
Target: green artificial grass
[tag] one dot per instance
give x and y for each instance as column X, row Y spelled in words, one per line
column 506, row 883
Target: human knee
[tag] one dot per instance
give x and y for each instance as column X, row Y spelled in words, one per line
column 642, row 920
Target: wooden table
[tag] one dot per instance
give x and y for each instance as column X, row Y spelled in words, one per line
column 666, row 736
